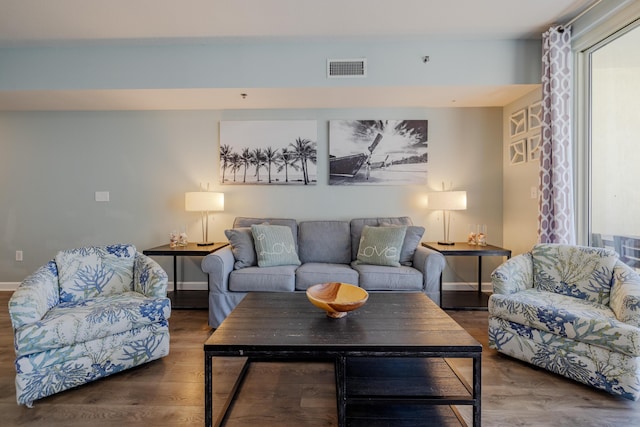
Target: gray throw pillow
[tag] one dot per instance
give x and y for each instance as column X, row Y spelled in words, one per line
column 241, row 242
column 274, row 245
column 381, row 245
column 411, row 242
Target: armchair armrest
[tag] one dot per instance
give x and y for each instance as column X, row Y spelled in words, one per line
column 148, row 277
column 514, row 275
column 625, row 294
column 36, row 295
column 218, row 265
column 431, row 264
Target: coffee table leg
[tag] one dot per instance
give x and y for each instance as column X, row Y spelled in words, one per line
column 208, row 404
column 477, row 394
column 341, row 389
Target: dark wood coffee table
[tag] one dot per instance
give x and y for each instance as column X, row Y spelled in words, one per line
column 389, row 354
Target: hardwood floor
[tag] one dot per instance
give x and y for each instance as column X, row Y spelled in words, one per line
column 169, row 392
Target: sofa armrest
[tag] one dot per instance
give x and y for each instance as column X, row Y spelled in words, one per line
column 625, row 294
column 219, row 265
column 148, row 277
column 515, row 274
column 431, row 264
column 36, row 295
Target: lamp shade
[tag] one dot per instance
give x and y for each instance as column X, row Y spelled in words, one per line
column 203, row 201
column 447, row 200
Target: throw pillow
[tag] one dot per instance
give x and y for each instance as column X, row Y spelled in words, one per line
column 241, row 242
column 381, row 245
column 411, row 242
column 274, row 245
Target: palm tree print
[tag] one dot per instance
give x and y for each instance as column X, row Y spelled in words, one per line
column 275, row 153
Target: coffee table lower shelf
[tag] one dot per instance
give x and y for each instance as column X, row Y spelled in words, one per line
column 404, row 392
column 389, row 391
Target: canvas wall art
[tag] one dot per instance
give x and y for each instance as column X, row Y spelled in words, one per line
column 378, row 152
column 268, row 152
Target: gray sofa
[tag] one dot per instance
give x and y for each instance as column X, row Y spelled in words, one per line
column 327, row 252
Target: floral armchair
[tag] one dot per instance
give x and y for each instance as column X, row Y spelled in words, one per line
column 88, row 313
column 572, row 310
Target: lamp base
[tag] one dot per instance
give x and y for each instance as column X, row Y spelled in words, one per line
column 205, row 243
column 446, row 243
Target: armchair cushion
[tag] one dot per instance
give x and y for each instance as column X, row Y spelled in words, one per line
column 91, row 271
column 71, row 323
column 578, row 271
column 569, row 317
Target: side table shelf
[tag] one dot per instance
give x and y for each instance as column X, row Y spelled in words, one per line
column 466, row 300
column 185, row 299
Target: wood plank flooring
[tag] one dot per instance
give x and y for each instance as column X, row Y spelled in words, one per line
column 169, row 392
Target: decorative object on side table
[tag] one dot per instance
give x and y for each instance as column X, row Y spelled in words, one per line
column 204, row 202
column 337, row 298
column 447, row 201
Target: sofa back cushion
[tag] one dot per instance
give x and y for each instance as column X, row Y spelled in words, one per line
column 578, row 271
column 324, row 241
column 88, row 272
column 357, row 224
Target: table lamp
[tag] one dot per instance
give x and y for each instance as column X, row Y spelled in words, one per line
column 204, row 202
column 447, row 201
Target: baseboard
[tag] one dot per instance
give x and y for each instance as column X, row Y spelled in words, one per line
column 8, row 286
column 466, row 286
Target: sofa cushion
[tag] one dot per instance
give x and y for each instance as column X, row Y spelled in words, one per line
column 566, row 316
column 357, row 224
column 88, row 272
column 312, row 273
column 324, row 241
column 242, row 247
column 411, row 242
column 263, row 279
column 381, row 245
column 274, row 245
column 71, row 323
column 385, row 278
column 579, row 271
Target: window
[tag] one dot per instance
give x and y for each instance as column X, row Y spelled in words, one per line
column 614, row 149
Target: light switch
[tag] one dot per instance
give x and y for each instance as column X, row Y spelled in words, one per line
column 102, row 196
column 534, row 192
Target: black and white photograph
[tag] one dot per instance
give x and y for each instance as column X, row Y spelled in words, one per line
column 378, row 152
column 269, row 152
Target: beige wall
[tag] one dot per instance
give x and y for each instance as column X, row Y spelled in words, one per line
column 520, row 209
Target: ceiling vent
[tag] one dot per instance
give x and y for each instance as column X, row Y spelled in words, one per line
column 343, row 68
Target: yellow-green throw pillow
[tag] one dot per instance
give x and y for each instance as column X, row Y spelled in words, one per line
column 381, row 245
column 274, row 245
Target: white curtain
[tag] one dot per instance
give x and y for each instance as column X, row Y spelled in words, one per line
column 556, row 223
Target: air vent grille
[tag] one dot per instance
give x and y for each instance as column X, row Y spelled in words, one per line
column 341, row 68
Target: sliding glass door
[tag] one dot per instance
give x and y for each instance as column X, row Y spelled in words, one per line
column 614, row 150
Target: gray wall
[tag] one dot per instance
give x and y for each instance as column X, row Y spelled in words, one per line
column 52, row 164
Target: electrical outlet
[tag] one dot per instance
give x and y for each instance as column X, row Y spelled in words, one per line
column 18, row 255
column 102, row 196
column 534, row 192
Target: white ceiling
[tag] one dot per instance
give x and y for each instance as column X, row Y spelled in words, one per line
column 48, row 23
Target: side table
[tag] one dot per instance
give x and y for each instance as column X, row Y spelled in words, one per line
column 466, row 300
column 185, row 299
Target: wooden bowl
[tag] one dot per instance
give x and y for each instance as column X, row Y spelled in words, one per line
column 337, row 298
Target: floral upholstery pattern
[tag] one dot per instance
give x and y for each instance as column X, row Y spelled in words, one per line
column 87, row 314
column 572, row 310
